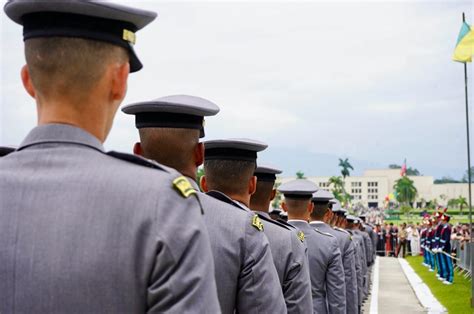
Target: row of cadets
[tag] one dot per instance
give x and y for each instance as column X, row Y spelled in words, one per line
column 324, row 255
column 361, row 255
column 325, row 220
column 266, row 271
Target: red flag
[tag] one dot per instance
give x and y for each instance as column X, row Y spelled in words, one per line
column 403, row 172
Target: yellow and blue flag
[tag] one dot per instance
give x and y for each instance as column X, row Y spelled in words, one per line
column 465, row 45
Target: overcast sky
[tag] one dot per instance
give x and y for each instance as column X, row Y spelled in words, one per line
column 372, row 81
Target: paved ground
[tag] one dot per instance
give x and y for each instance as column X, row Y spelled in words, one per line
column 395, row 294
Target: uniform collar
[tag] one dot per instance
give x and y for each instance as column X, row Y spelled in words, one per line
column 60, row 133
column 265, row 214
column 193, row 184
column 297, row 221
column 317, row 222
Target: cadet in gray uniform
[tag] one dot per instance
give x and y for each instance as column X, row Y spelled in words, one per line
column 288, row 248
column 82, row 230
column 360, row 254
column 322, row 213
column 325, row 263
column 170, row 128
column 368, row 252
column 229, row 177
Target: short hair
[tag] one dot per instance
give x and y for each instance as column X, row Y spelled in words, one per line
column 263, row 193
column 229, row 176
column 69, row 66
column 297, row 205
column 320, row 209
column 172, row 147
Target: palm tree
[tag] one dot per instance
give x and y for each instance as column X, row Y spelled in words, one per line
column 454, row 202
column 300, row 175
column 461, row 202
column 337, row 188
column 345, row 166
column 405, row 190
column 277, row 200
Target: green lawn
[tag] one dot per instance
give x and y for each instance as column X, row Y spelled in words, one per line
column 456, row 298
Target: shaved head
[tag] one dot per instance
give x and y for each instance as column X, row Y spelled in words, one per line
column 63, row 66
column 263, row 196
column 297, row 206
column 320, row 209
column 173, row 147
column 229, row 176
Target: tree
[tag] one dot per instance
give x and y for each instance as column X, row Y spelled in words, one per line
column 300, row 175
column 345, row 166
column 453, row 202
column 461, row 202
column 406, row 210
column 337, row 187
column 199, row 174
column 446, row 179
column 405, row 190
column 465, row 178
column 277, row 200
column 412, row 172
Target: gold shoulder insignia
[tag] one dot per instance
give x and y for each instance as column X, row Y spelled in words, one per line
column 257, row 223
column 301, row 236
column 182, row 185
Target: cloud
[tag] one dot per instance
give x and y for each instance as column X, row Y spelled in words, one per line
column 370, row 80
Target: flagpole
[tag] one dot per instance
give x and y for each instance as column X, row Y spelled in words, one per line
column 469, row 172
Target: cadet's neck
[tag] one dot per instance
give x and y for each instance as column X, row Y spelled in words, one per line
column 95, row 118
column 259, row 207
column 297, row 216
column 243, row 198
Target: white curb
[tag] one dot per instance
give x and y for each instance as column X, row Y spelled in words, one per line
column 423, row 293
column 374, row 295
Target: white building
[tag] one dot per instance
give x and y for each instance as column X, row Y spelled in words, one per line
column 371, row 189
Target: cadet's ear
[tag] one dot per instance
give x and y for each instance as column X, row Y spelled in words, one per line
column 203, row 184
column 26, row 79
column 252, row 185
column 199, row 154
column 272, row 196
column 119, row 81
column 310, row 207
column 284, row 207
column 137, row 149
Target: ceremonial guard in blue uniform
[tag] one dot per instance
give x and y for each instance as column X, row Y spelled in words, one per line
column 170, row 128
column 83, row 230
column 444, row 251
column 436, row 245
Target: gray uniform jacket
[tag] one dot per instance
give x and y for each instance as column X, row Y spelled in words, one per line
column 243, row 258
column 326, row 271
column 84, row 232
column 291, row 262
column 360, row 248
column 348, row 261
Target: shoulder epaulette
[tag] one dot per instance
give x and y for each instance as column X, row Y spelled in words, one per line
column 257, row 223
column 269, row 220
column 341, row 230
column 324, row 233
column 138, row 160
